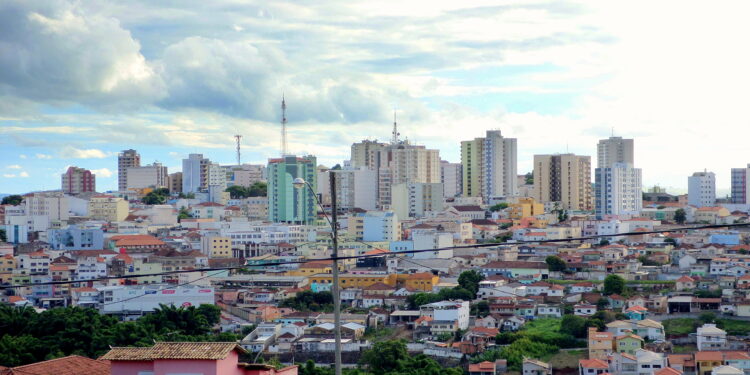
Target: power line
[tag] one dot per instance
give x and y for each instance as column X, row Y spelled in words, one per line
column 472, row 246
column 159, row 290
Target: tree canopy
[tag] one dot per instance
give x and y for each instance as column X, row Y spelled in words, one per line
column 310, row 301
column 556, row 264
column 498, row 207
column 613, row 284
column 392, row 358
column 680, row 216
column 469, row 280
column 27, row 336
column 258, row 189
column 14, row 200
column 157, row 196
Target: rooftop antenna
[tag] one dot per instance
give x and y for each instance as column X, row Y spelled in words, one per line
column 395, row 134
column 613, row 131
column 283, row 127
column 238, row 137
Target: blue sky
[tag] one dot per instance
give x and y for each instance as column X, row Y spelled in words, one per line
column 81, row 81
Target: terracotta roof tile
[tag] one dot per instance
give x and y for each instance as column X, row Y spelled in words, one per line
column 174, row 350
column 70, row 365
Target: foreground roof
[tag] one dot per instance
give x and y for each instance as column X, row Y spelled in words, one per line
column 174, row 350
column 70, row 365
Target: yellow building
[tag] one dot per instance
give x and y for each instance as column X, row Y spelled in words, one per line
column 107, row 207
column 7, row 265
column 600, row 344
column 142, row 268
column 711, row 215
column 563, row 178
column 315, row 268
column 471, row 161
column 525, row 208
column 217, row 247
column 421, row 281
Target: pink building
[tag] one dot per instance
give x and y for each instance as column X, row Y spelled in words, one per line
column 194, row 358
column 78, row 180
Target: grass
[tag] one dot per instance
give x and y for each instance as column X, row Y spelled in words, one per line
column 542, row 326
column 684, row 349
column 379, row 334
column 734, row 327
column 565, row 358
column 679, row 326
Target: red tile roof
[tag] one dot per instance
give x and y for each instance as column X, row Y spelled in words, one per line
column 70, row 365
column 593, row 363
column 136, row 240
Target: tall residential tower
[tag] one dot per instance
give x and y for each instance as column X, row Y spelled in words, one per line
column 490, row 166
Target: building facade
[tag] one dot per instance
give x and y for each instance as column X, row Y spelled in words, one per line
column 563, row 178
column 126, row 159
column 702, row 189
column 285, row 202
column 618, row 190
column 147, row 176
column 489, row 166
column 416, row 199
column 614, row 150
column 451, row 175
column 740, row 187
column 195, row 173
column 78, row 180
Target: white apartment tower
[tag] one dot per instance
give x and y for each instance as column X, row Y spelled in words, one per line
column 194, row 173
column 154, row 175
column 618, row 186
column 451, row 177
column 702, row 189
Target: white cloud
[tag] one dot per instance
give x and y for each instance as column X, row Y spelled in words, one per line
column 23, row 174
column 43, row 156
column 102, row 172
column 22, row 156
column 70, row 152
column 14, row 166
column 9, row 175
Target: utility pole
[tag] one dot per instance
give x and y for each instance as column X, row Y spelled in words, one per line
column 335, row 256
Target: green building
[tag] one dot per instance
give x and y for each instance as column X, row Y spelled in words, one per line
column 285, row 202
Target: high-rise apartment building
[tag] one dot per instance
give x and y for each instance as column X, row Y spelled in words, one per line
column 365, row 153
column 245, row 175
column 147, row 176
column 614, row 150
column 355, row 188
column 78, row 180
column 285, row 202
column 564, row 178
column 740, row 187
column 195, row 173
column 126, row 159
column 618, row 190
column 451, row 175
column 490, row 166
column 702, row 189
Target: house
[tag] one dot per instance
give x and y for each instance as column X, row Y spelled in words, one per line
column 636, row 313
column 584, row 310
column 483, row 368
column 207, row 358
column 628, row 343
column 584, row 287
column 73, row 364
column 457, row 311
column 600, row 344
column 711, row 337
column 592, row 367
column 685, row 283
column 705, row 361
column 535, row 367
column 649, row 362
column 548, row 311
column 726, row 370
column 647, row 328
column 514, row 323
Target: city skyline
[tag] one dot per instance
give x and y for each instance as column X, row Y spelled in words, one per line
column 559, row 77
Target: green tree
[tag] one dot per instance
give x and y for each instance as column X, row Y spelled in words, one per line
column 603, row 242
column 556, row 264
column 498, row 207
column 480, row 309
column 385, row 357
column 613, row 284
column 259, row 189
column 529, row 177
column 602, row 304
column 13, row 200
column 574, row 325
column 3, row 236
column 707, row 317
column 670, row 240
column 680, row 216
column 310, row 301
column 184, row 214
column 157, row 196
column 469, row 280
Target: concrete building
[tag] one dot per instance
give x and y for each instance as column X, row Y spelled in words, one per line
column 355, row 188
column 126, row 159
column 403, row 162
column 451, row 175
column 216, row 246
column 710, row 337
column 618, row 190
column 245, row 175
column 702, row 189
column 380, row 226
column 194, row 173
column 119, row 300
column 489, row 166
column 174, row 183
column 416, row 199
column 75, row 238
column 614, row 150
column 453, row 311
column 78, row 180
column 563, row 178
column 285, row 202
column 147, row 176
column 365, row 154
column 109, row 208
column 740, row 187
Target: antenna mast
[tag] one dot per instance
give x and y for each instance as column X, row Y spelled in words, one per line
column 395, row 134
column 238, row 137
column 283, row 127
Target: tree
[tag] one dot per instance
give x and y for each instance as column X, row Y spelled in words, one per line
column 574, row 325
column 556, row 264
column 480, row 309
column 184, row 214
column 158, row 196
column 602, row 304
column 13, row 200
column 613, row 284
column 3, row 236
column 469, row 280
column 679, row 216
column 529, row 177
column 670, row 240
column 604, row 242
column 498, row 207
column 707, row 317
column 385, row 356
column 310, row 301
column 258, row 189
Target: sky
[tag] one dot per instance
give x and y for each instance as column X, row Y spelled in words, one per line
column 82, row 80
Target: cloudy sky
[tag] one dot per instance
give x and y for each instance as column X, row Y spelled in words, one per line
column 82, row 80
